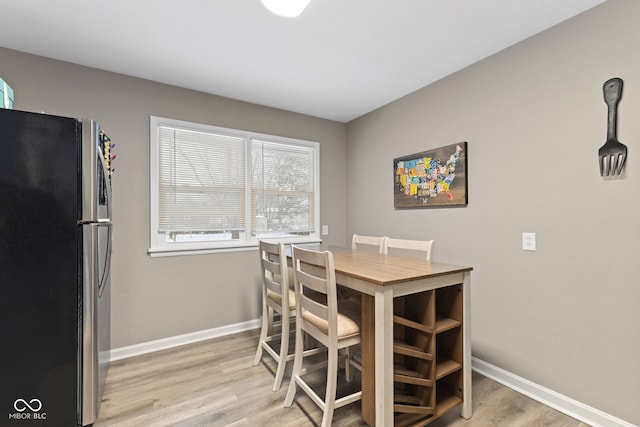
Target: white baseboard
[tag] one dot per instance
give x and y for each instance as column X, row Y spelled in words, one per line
column 165, row 343
column 564, row 404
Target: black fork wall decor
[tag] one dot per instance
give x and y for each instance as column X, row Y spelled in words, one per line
column 613, row 154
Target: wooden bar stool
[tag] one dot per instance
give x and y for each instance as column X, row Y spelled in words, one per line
column 333, row 324
column 276, row 298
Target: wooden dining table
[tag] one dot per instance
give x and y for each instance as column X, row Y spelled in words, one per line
column 381, row 278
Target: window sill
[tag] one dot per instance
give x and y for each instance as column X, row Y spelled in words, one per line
column 167, row 252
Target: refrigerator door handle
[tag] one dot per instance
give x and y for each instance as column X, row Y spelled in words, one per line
column 105, row 222
column 107, row 183
column 107, row 261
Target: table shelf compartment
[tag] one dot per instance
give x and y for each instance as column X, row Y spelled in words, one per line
column 449, row 345
column 412, row 420
column 445, row 367
column 412, row 406
column 445, row 323
column 403, row 375
column 445, row 403
column 409, row 404
column 416, row 311
column 449, row 302
column 449, row 392
column 403, row 321
column 405, row 349
column 414, row 409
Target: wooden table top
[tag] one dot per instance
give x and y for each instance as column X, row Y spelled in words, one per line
column 382, row 269
column 388, row 270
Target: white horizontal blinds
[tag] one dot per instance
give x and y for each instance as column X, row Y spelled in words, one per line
column 283, row 188
column 201, row 181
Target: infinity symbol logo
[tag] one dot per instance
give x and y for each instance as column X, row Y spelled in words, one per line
column 21, row 405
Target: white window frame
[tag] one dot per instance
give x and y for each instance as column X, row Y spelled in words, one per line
column 159, row 246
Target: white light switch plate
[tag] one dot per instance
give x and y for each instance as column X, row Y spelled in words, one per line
column 528, row 241
column 325, row 230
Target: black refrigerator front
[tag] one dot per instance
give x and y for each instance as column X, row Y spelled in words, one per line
column 55, row 250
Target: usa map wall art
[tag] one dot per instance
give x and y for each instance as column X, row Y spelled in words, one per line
column 434, row 178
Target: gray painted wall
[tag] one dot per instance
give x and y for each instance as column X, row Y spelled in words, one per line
column 568, row 315
column 154, row 298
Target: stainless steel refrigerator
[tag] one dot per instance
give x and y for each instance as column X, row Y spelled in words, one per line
column 55, row 257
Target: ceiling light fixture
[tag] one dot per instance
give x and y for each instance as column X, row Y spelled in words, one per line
column 286, row 8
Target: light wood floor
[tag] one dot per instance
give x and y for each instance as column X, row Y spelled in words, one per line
column 212, row 383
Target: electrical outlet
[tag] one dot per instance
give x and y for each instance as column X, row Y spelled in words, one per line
column 528, row 241
column 325, row 230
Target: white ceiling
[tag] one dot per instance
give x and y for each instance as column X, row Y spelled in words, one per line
column 339, row 60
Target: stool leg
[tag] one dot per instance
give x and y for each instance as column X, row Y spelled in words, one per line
column 347, row 365
column 263, row 335
column 284, row 351
column 330, row 396
column 297, row 367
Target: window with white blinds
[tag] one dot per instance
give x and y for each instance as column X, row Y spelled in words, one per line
column 215, row 188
